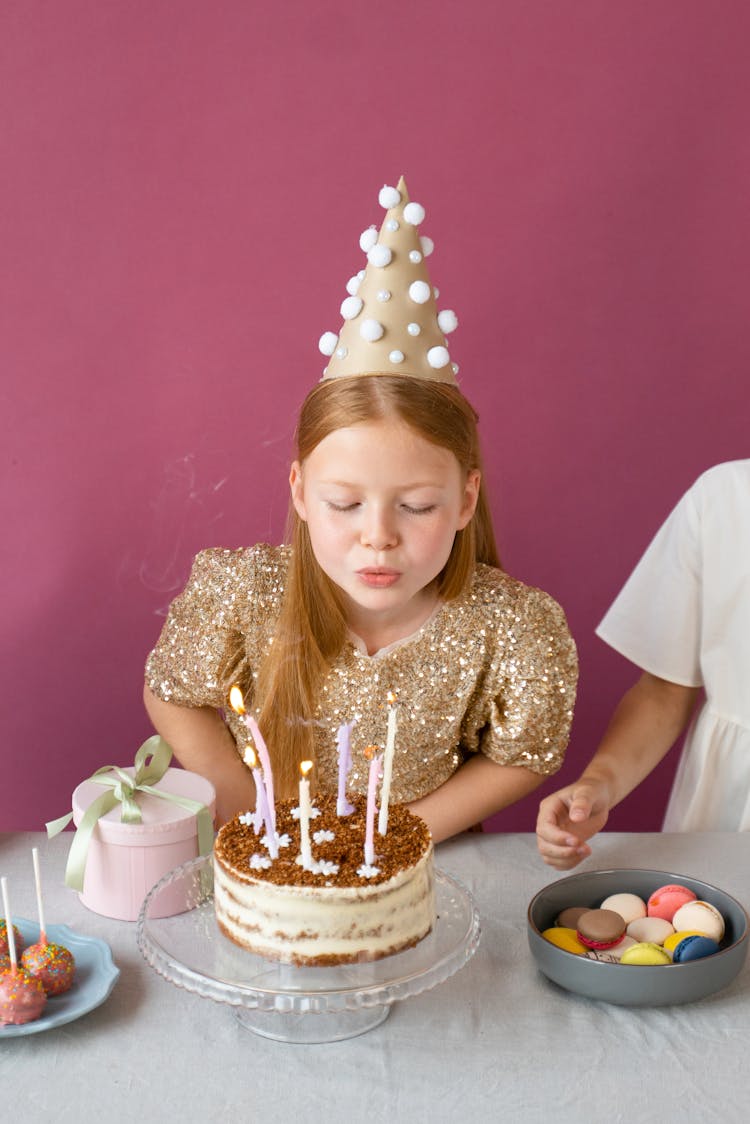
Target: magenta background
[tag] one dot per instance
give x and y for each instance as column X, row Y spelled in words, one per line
column 182, row 190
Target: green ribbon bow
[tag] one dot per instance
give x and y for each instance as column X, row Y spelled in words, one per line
column 151, row 763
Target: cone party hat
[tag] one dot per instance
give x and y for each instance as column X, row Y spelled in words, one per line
column 391, row 322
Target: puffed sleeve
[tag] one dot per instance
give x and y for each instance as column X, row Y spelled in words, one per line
column 202, row 628
column 655, row 621
column 526, row 710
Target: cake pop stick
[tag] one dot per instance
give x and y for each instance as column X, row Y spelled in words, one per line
column 9, row 923
column 39, row 905
column 52, row 964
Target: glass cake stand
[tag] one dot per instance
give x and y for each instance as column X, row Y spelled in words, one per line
column 281, row 1001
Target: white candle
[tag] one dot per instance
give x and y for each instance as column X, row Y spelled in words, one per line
column 304, row 816
column 343, row 742
column 390, row 746
column 372, row 783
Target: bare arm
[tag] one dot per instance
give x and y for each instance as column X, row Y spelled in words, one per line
column 202, row 743
column 645, row 725
column 477, row 790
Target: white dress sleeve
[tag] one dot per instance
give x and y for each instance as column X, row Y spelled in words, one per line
column 655, row 621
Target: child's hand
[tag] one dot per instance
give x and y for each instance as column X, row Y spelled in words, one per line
column 567, row 819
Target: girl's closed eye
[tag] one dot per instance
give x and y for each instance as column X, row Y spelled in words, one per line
column 418, row 509
column 342, row 505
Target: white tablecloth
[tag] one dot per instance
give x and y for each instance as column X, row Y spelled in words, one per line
column 496, row 1042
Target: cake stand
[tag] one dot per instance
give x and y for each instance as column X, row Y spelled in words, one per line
column 281, row 1001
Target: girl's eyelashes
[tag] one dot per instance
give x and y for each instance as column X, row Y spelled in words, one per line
column 341, row 506
column 410, row 509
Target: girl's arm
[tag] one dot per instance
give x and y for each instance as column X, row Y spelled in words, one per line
column 645, row 725
column 202, row 743
column 474, row 792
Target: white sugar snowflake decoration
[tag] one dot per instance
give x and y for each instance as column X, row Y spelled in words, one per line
column 324, row 836
column 367, row 871
column 259, row 862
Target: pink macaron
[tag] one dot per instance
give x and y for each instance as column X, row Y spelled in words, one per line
column 665, row 901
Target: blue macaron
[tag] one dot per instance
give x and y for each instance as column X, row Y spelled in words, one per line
column 694, row 948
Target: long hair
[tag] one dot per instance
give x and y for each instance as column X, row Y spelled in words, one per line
column 311, row 629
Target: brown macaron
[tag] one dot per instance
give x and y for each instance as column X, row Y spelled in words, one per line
column 600, row 928
column 568, row 919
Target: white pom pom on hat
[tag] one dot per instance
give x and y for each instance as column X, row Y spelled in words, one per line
column 414, row 213
column 379, row 255
column 368, row 238
column 389, row 197
column 327, row 343
column 351, row 308
column 447, row 321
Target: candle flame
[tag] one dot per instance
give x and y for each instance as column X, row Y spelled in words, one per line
column 236, row 700
column 305, row 767
column 391, row 698
column 371, row 751
column 250, row 759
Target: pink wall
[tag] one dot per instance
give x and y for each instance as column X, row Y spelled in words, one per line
column 182, row 191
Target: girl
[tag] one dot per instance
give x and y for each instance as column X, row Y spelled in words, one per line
column 391, row 583
column 684, row 618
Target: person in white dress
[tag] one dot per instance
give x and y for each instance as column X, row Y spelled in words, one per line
column 683, row 617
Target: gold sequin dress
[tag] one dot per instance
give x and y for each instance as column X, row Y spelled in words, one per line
column 493, row 671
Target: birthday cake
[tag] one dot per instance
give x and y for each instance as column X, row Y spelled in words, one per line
column 336, row 908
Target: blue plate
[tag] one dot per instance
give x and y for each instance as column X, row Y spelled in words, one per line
column 96, row 975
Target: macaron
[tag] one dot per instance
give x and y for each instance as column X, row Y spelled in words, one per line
column 568, row 919
column 670, row 943
column 701, row 916
column 665, row 901
column 611, row 955
column 645, row 953
column 629, row 906
column 694, row 948
column 653, row 929
column 600, row 928
column 564, row 938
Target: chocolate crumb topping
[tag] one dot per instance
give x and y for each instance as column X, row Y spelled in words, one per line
column 406, row 840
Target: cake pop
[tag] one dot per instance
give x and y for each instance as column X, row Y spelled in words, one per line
column 52, row 964
column 4, row 938
column 22, row 997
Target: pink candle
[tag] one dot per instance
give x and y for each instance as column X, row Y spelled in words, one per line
column 237, row 704
column 261, row 808
column 343, row 742
column 376, row 760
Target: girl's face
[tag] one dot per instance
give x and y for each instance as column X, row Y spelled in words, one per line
column 383, row 505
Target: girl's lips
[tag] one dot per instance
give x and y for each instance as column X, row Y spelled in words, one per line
column 378, row 579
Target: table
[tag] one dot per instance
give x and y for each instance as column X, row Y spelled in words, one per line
column 496, row 1042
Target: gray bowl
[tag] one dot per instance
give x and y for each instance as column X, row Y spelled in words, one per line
column 626, row 984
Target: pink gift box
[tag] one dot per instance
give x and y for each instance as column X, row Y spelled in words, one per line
column 125, row 860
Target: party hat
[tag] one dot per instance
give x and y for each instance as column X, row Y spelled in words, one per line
column 391, row 322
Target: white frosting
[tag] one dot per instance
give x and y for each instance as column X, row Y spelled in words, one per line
column 304, row 924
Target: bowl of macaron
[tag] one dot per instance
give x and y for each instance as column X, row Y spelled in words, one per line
column 638, row 938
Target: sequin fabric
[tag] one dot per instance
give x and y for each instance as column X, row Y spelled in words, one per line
column 493, row 671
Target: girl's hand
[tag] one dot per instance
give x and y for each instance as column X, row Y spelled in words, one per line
column 567, row 819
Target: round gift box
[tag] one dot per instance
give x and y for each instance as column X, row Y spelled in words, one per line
column 125, row 860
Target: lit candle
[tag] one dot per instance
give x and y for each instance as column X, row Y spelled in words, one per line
column 390, row 746
column 343, row 807
column 304, row 816
column 237, row 704
column 376, row 760
column 261, row 808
